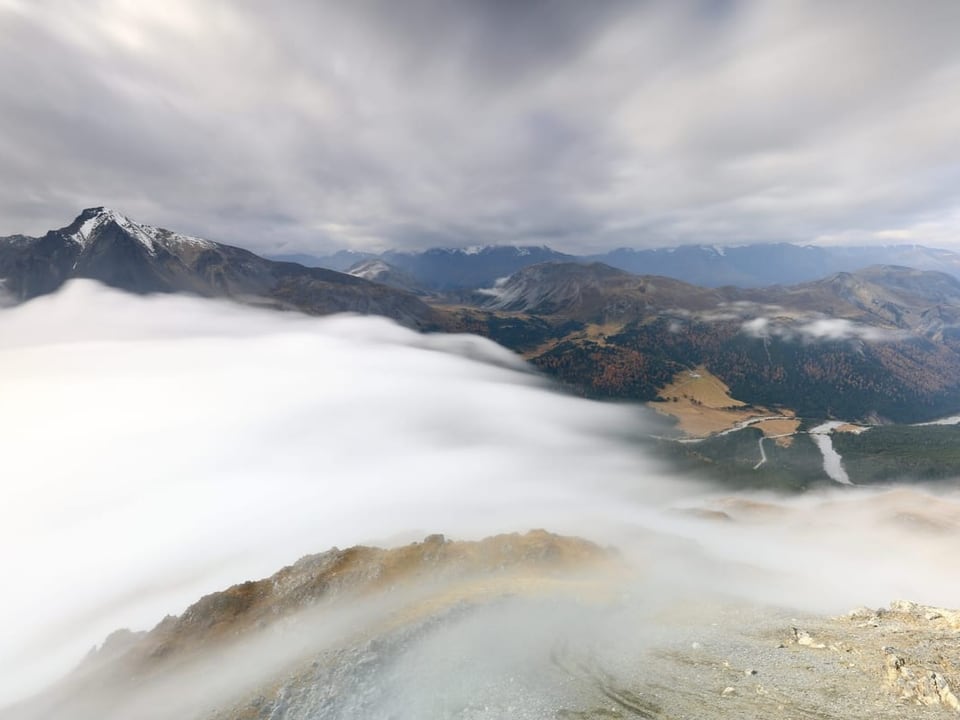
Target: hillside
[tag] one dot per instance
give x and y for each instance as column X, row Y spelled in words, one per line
column 324, row 632
column 879, row 344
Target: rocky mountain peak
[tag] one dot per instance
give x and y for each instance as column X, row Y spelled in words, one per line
column 90, row 223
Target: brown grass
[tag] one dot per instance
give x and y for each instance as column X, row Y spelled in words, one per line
column 701, row 403
column 781, row 430
column 698, row 421
column 599, row 333
column 700, row 387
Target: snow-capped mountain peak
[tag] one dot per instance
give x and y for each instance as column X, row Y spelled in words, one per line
column 93, row 219
column 86, row 227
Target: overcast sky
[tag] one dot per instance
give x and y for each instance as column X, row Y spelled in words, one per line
column 312, row 126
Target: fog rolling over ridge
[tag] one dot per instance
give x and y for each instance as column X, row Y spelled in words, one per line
column 155, row 449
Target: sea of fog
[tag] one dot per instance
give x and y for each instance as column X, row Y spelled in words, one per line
column 154, row 449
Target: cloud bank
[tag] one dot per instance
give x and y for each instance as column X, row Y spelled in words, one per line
column 310, row 126
column 155, row 449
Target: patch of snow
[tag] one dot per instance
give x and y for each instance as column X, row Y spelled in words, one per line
column 483, row 249
column 87, row 228
column 166, row 237
column 719, row 250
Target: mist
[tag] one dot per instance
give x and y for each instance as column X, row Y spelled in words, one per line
column 822, row 329
column 155, row 449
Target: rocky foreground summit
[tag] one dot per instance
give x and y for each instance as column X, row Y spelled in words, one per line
column 514, row 626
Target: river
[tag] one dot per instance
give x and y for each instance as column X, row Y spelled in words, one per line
column 832, row 462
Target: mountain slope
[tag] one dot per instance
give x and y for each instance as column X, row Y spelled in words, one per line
column 514, row 626
column 877, row 344
column 380, row 271
column 594, row 292
column 884, row 296
column 333, row 621
column 103, row 245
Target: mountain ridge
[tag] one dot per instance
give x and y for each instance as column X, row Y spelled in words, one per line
column 394, row 595
column 342, row 634
column 104, row 245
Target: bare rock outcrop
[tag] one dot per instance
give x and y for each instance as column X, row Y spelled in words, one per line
column 526, row 626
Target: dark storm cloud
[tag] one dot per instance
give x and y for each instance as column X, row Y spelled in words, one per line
column 307, row 126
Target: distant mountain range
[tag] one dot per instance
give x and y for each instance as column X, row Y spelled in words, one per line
column 437, row 270
column 101, row 244
column 757, row 265
column 442, row 269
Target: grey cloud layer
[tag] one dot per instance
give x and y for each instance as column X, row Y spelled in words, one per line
column 311, row 126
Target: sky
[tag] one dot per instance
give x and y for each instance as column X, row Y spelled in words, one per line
column 314, row 126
